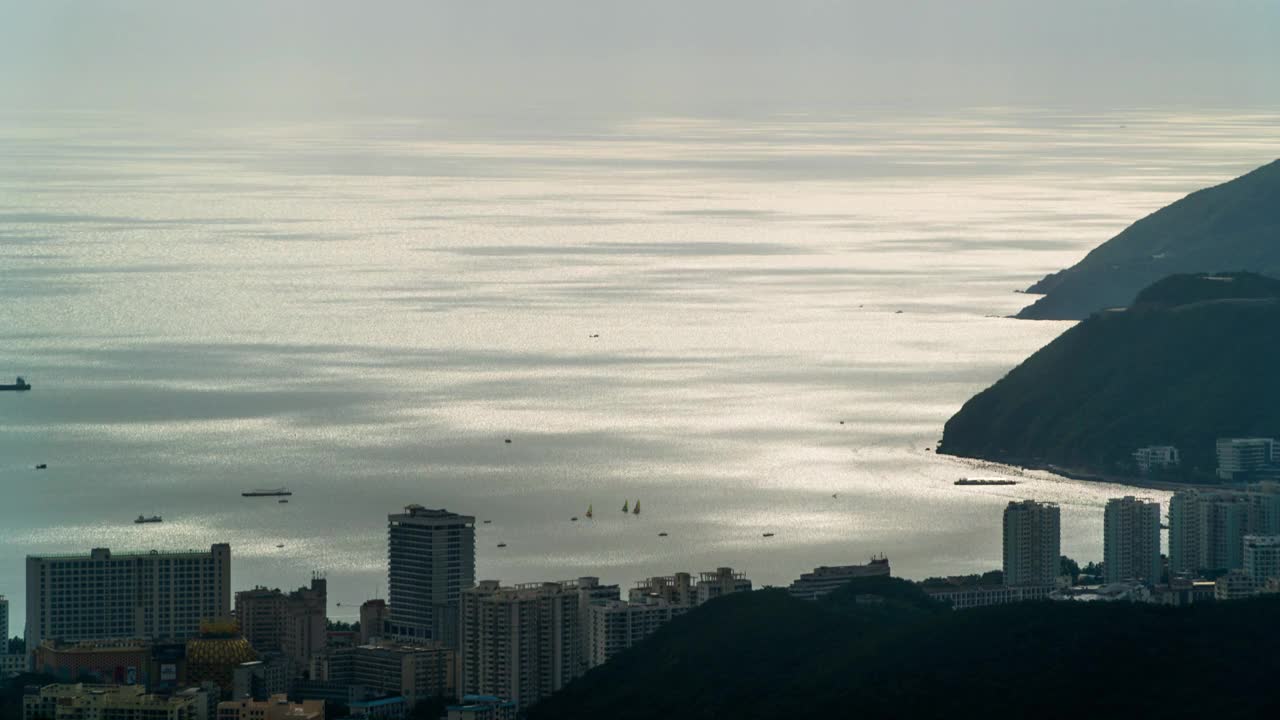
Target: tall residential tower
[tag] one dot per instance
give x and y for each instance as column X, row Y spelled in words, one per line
column 1131, row 540
column 1031, row 543
column 431, row 559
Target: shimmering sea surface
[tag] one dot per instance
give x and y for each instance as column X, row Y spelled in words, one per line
column 787, row 312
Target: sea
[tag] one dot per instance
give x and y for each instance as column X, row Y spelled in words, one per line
column 743, row 326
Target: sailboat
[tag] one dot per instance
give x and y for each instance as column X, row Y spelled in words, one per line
column 636, row 511
column 588, row 510
column 626, row 506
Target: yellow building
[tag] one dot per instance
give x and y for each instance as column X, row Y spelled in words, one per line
column 105, row 702
column 277, row 707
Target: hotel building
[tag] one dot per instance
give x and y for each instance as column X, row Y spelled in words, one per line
column 431, row 560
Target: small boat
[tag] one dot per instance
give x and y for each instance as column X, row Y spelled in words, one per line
column 275, row 492
column 486, row 522
column 636, row 509
column 282, row 500
column 595, row 335
column 574, row 518
column 42, row 466
column 768, row 535
column 662, row 534
column 626, row 506
column 144, row 519
column 507, row 441
column 985, row 481
column 589, row 513
column 19, row 384
column 835, row 494
column 502, row 544
column 280, row 545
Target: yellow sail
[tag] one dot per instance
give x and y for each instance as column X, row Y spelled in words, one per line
column 588, row 510
column 637, row 510
column 626, row 505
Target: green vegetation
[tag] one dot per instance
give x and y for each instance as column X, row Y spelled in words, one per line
column 1231, row 227
column 1191, row 361
column 880, row 648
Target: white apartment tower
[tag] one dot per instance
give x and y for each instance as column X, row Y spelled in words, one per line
column 1131, row 540
column 1031, row 543
column 520, row 643
column 431, row 560
column 1206, row 531
column 104, row 595
column 1262, row 558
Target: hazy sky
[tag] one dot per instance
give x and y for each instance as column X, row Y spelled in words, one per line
column 600, row 56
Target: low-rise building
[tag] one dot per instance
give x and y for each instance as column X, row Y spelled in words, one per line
column 1235, row 585
column 1262, row 557
column 1111, row 592
column 483, row 707
column 277, row 707
column 294, row 623
column 1240, row 458
column 1156, row 457
column 823, row 580
column 394, row 707
column 11, row 663
column 119, row 662
column 414, row 672
column 964, row 597
column 262, row 678
column 373, row 620
column 80, row 701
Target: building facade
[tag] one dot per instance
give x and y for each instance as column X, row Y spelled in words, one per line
column 723, row 581
column 1032, row 538
column 1131, row 540
column 373, row 620
column 414, row 672
column 80, row 701
column 520, row 643
column 614, row 626
column 1238, row 458
column 102, row 595
column 964, row 597
column 431, row 560
column 1206, row 531
column 813, row 585
column 483, row 707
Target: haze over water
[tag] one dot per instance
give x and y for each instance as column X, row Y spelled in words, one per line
column 362, row 312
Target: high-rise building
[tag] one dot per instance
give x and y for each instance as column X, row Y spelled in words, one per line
column 823, row 580
column 1206, row 531
column 724, row 581
column 1131, row 540
column 373, row 618
column 103, row 595
column 80, row 701
column 1239, row 457
column 520, row 643
column 677, row 589
column 431, row 559
column 1262, row 557
column 614, row 626
column 4, row 623
column 1031, row 543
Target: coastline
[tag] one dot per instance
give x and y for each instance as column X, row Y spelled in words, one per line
column 1020, row 469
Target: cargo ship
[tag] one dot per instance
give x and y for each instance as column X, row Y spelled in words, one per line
column 266, row 493
column 144, row 519
column 19, row 384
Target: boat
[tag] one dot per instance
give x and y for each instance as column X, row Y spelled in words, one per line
column 574, row 518
column 768, row 535
column 626, row 506
column 662, row 534
column 143, row 519
column 486, row 522
column 636, row 509
column 280, row 545
column 277, row 492
column 502, row 544
column 507, row 441
column 985, row 481
column 18, row 384
column 282, row 500
column 589, row 514
column 42, row 466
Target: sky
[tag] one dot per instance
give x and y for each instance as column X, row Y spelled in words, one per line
column 568, row 57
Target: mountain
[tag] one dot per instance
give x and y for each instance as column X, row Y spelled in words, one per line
column 880, row 648
column 1230, row 227
column 1191, row 360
